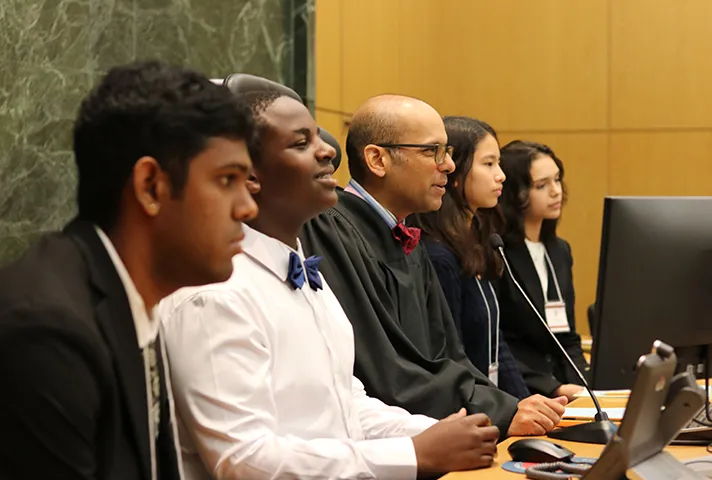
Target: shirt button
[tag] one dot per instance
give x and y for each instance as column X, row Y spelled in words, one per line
column 548, row 358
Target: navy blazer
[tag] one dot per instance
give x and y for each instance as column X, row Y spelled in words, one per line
column 542, row 364
column 470, row 314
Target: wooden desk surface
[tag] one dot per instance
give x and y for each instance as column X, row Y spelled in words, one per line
column 581, row 449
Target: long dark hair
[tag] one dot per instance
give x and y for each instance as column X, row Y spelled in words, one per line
column 516, row 162
column 455, row 224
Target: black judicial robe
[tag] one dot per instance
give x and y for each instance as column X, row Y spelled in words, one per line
column 408, row 352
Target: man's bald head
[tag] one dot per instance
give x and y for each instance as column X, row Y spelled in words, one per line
column 384, row 119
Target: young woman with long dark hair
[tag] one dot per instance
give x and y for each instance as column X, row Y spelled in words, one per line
column 542, row 263
column 456, row 239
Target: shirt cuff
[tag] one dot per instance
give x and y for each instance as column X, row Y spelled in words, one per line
column 392, row 458
column 417, row 424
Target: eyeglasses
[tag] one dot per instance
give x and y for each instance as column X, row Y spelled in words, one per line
column 438, row 150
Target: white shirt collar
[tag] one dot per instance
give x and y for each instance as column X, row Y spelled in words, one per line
column 269, row 252
column 144, row 323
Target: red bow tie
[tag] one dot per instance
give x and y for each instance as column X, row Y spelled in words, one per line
column 408, row 237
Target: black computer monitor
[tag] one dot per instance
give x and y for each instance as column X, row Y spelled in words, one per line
column 654, row 282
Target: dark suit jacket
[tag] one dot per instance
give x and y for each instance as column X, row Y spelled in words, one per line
column 542, row 364
column 73, row 397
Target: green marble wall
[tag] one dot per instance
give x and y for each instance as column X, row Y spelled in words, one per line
column 53, row 51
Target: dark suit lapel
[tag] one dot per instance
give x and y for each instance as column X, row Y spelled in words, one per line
column 116, row 322
column 523, row 267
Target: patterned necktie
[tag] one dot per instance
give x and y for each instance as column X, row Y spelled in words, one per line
column 295, row 273
column 408, row 237
column 155, row 392
column 166, row 453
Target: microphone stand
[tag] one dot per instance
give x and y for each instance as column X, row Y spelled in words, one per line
column 601, row 429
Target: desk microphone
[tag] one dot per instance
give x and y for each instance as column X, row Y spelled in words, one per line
column 601, row 430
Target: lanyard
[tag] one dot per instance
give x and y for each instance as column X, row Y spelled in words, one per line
column 553, row 274
column 489, row 323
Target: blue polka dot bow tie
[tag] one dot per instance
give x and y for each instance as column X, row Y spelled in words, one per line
column 295, row 274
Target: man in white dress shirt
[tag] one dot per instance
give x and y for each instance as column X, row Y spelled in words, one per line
column 262, row 364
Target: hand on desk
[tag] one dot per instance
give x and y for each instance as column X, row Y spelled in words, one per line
column 537, row 415
column 458, row 442
column 568, row 390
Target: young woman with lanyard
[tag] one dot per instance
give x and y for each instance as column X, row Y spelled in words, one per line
column 542, row 263
column 456, row 240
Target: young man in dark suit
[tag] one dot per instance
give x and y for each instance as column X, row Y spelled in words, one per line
column 162, row 160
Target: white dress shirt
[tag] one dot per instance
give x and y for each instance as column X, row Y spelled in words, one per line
column 147, row 328
column 537, row 251
column 263, row 378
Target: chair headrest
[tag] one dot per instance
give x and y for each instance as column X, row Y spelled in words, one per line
column 329, row 138
column 244, row 83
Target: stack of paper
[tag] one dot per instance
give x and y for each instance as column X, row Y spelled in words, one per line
column 615, row 414
column 604, row 394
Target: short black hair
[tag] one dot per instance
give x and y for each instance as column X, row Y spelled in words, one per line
column 258, row 102
column 369, row 128
column 516, row 161
column 147, row 109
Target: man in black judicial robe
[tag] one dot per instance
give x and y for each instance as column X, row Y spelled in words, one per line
column 408, row 352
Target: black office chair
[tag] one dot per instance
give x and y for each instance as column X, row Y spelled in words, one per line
column 244, row 83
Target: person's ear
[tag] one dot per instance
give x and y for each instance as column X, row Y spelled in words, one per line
column 151, row 185
column 378, row 160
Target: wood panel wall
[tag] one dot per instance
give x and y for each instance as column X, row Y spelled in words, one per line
column 621, row 90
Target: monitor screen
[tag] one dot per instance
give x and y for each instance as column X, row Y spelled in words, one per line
column 654, row 282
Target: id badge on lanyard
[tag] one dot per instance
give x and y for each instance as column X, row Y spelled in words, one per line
column 493, row 367
column 555, row 310
column 493, row 373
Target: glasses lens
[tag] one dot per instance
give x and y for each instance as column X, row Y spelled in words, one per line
column 441, row 152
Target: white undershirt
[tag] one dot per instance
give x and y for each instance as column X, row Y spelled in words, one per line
column 537, row 251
